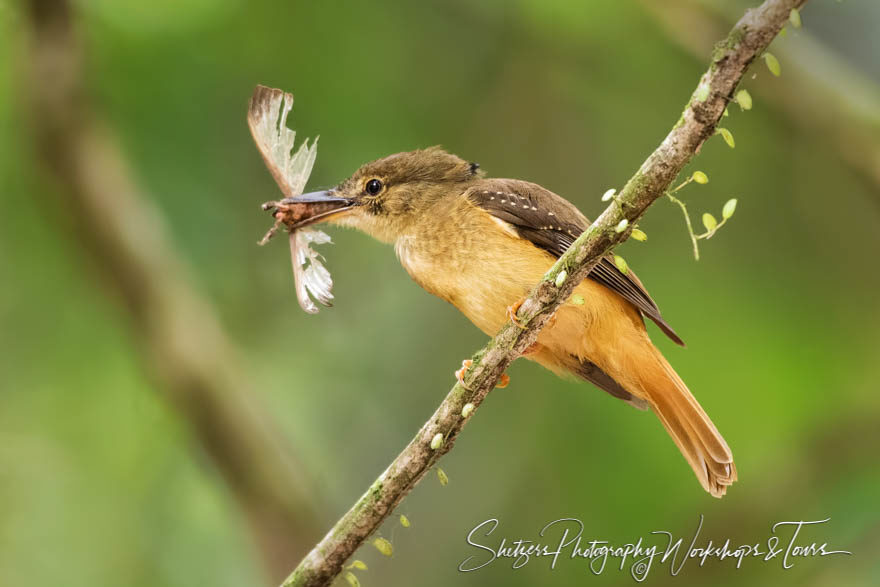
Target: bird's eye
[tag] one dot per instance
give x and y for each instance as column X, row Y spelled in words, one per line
column 373, row 187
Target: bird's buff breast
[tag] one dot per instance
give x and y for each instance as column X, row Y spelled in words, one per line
column 472, row 261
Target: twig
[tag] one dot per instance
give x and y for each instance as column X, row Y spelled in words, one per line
column 710, row 231
column 748, row 39
column 690, row 227
column 182, row 343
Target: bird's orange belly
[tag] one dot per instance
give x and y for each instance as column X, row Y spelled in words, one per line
column 487, row 272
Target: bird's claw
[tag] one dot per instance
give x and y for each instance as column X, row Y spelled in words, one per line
column 465, row 365
column 503, row 381
column 511, row 313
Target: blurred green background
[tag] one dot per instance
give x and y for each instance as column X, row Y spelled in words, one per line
column 102, row 481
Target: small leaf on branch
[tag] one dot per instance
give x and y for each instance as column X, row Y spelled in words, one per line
column 608, row 194
column 709, row 222
column 794, row 17
column 560, row 278
column 351, row 579
column 466, row 410
column 727, row 136
column 639, row 235
column 404, row 521
column 577, row 299
column 621, row 226
column 744, row 99
column 358, row 564
column 437, row 441
column 772, row 64
column 700, row 177
column 383, row 546
column 729, row 209
column 441, row 475
column 621, row 264
column 702, row 93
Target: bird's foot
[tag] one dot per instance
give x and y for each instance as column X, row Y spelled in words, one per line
column 512, row 310
column 465, row 365
column 532, row 349
column 503, row 381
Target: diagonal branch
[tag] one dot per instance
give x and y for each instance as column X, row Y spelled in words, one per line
column 730, row 60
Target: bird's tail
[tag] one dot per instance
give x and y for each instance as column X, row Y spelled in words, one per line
column 688, row 425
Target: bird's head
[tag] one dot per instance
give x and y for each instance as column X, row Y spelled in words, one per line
column 383, row 198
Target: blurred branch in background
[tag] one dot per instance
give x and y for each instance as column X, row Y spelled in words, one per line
column 748, row 39
column 183, row 343
column 822, row 93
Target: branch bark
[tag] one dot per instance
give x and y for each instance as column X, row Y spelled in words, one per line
column 730, row 60
column 183, row 345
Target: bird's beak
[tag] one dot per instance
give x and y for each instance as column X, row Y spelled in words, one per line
column 309, row 208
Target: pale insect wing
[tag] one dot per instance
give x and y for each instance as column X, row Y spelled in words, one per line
column 316, row 277
column 296, row 253
column 267, row 119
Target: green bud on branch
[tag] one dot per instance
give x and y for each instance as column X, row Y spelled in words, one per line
column 709, row 222
column 727, row 136
column 383, row 546
column 744, row 99
column 772, row 64
column 729, row 209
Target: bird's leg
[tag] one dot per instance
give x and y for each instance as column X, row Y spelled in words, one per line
column 512, row 310
column 503, row 382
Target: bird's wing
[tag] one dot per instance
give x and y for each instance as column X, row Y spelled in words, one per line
column 552, row 223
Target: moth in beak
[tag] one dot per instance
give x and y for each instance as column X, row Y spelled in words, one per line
column 267, row 119
column 306, row 209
